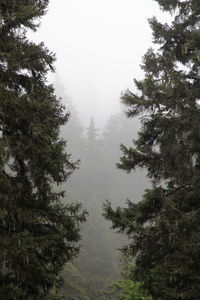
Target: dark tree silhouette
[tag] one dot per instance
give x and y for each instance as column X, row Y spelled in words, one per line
column 37, row 233
column 164, row 227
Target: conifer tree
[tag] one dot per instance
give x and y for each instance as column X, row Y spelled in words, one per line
column 37, row 233
column 165, row 225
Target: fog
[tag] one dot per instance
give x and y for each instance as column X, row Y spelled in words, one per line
column 99, row 47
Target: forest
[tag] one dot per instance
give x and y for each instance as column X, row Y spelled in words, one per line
column 99, row 214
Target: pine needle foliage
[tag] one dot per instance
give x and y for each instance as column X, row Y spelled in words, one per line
column 165, row 225
column 37, row 232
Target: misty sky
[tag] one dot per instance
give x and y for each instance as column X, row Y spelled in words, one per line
column 99, row 45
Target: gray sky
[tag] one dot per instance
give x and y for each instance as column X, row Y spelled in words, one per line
column 99, row 45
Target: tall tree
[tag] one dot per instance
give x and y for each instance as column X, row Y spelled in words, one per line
column 165, row 225
column 96, row 261
column 37, row 233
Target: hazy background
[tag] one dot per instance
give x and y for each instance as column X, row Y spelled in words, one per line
column 99, row 45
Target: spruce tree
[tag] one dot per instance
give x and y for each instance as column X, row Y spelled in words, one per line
column 37, row 233
column 165, row 225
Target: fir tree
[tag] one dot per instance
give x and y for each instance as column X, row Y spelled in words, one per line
column 37, row 233
column 165, row 225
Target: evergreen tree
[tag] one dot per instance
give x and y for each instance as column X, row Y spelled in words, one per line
column 37, row 233
column 125, row 290
column 96, row 261
column 73, row 287
column 165, row 225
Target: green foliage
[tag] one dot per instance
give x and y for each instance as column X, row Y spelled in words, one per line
column 164, row 227
column 72, row 287
column 126, row 290
column 133, row 291
column 38, row 234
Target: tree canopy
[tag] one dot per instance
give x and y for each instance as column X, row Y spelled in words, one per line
column 164, row 227
column 37, row 233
